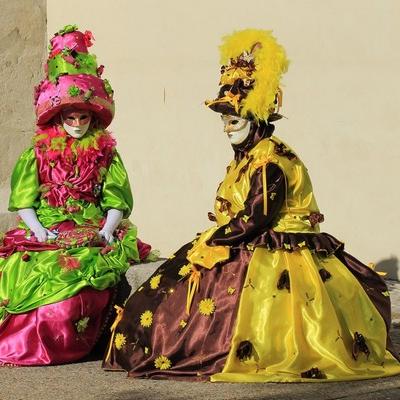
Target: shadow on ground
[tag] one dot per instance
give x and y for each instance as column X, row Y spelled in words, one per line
column 87, row 381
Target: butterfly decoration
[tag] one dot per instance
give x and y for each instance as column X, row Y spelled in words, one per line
column 359, row 346
column 284, row 281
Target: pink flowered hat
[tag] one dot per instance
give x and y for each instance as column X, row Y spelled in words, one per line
column 73, row 79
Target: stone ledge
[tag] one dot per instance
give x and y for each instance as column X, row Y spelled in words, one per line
column 7, row 221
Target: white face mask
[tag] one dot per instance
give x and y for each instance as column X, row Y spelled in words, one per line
column 76, row 131
column 237, row 129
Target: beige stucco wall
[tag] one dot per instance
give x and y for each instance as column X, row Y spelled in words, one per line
column 22, row 49
column 341, row 96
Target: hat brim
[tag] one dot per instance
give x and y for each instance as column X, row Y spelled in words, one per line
column 103, row 109
column 223, row 108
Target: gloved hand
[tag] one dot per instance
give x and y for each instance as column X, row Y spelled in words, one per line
column 29, row 216
column 114, row 217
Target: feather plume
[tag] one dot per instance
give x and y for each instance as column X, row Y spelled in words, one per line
column 270, row 61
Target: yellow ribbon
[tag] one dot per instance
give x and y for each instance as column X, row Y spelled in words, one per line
column 120, row 313
column 193, row 287
column 264, row 182
column 279, row 98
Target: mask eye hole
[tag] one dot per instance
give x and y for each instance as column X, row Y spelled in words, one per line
column 234, row 122
column 84, row 116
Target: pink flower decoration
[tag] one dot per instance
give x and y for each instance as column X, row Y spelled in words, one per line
column 68, row 262
column 106, row 250
column 55, row 101
column 73, row 209
column 121, row 233
column 69, row 59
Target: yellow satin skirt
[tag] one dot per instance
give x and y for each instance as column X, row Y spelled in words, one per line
column 310, row 325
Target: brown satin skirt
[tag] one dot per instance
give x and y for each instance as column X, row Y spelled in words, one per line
column 155, row 321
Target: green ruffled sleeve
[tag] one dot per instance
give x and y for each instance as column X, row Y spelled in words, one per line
column 116, row 191
column 24, row 183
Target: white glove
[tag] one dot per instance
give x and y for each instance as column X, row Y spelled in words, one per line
column 114, row 217
column 29, row 216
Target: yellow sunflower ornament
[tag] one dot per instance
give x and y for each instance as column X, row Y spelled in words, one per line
column 155, row 281
column 119, row 341
column 207, row 307
column 146, row 319
column 162, row 362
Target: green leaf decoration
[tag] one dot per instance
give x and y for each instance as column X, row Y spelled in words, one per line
column 57, row 143
column 82, row 324
column 108, row 88
column 153, row 256
column 88, row 94
column 67, row 29
column 84, row 64
column 66, row 51
column 74, row 91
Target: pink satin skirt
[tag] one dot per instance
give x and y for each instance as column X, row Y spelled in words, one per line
column 56, row 333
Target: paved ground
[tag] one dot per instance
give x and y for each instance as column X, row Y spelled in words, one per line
column 86, row 380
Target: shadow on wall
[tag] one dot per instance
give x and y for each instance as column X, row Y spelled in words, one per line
column 390, row 266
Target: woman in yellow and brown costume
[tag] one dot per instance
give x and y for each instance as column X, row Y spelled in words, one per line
column 262, row 296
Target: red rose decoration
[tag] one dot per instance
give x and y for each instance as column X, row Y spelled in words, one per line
column 88, row 37
column 100, row 70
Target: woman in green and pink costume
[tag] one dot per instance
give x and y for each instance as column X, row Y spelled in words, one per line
column 60, row 267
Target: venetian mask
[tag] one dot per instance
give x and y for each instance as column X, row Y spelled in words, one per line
column 76, row 122
column 237, row 128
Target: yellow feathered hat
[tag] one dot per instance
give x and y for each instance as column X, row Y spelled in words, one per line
column 252, row 65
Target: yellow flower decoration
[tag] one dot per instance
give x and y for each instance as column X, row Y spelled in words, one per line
column 272, row 195
column 146, row 319
column 245, row 218
column 155, row 281
column 302, row 244
column 119, row 341
column 185, row 270
column 228, row 230
column 146, row 350
column 386, row 294
column 207, row 306
column 183, row 323
column 231, row 290
column 162, row 362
